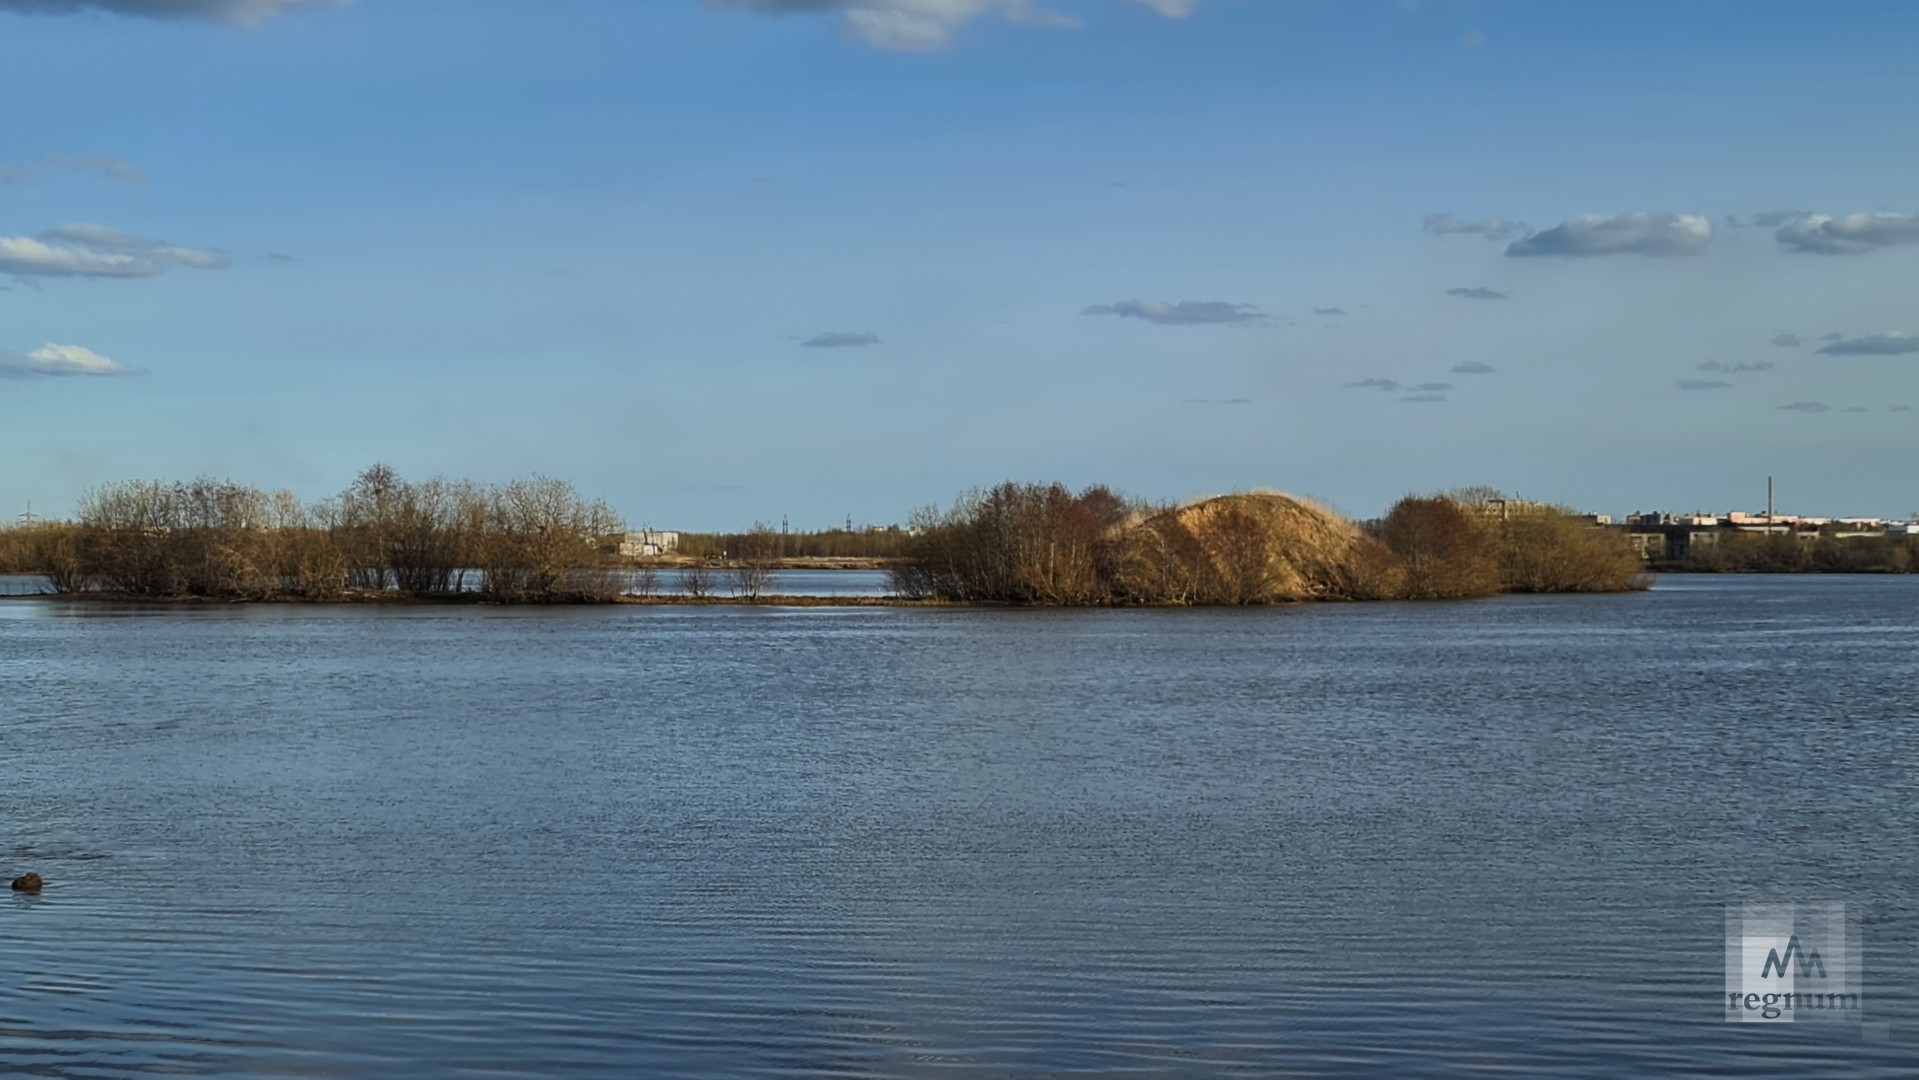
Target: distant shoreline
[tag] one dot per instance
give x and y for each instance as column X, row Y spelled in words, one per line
column 674, row 599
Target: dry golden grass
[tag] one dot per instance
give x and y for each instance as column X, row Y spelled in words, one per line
column 1249, row 548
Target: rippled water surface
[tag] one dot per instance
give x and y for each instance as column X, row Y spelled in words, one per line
column 665, row 581
column 1389, row 840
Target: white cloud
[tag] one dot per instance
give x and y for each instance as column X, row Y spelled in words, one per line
column 1854, row 234
column 50, row 361
column 1183, row 313
column 100, row 252
column 241, row 12
column 1628, row 234
column 1472, row 367
column 928, row 25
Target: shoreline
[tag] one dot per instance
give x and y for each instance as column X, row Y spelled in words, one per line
column 681, row 600
column 478, row 600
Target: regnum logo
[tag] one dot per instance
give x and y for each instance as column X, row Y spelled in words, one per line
column 1788, row 963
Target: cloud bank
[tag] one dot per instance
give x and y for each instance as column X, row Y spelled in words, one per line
column 98, row 252
column 842, row 339
column 239, row 12
column 1625, row 234
column 1477, row 292
column 1854, row 234
column 1486, row 228
column 1894, row 344
column 1183, row 313
column 928, row 25
column 55, row 361
column 107, row 165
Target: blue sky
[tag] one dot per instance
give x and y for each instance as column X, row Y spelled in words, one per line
column 1150, row 243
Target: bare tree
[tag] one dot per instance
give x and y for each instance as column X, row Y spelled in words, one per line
column 752, row 570
column 542, row 540
column 696, row 581
column 645, row 579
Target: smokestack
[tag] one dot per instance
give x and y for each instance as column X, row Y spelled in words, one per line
column 1768, row 504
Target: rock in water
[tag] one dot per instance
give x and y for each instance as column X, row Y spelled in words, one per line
column 27, row 883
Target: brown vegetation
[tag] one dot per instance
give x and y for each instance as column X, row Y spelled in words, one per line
column 531, row 540
column 539, row 540
column 1782, row 553
column 1443, row 548
column 1041, row 544
column 1248, row 549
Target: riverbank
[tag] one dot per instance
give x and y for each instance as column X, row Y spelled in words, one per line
column 392, row 599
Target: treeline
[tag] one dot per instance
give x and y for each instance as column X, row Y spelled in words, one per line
column 831, row 544
column 1044, row 544
column 529, row 540
column 1779, row 553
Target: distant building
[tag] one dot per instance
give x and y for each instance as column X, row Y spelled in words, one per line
column 647, row 543
column 1651, row 546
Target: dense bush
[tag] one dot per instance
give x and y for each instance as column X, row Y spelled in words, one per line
column 1446, row 551
column 1015, row 543
column 1784, row 553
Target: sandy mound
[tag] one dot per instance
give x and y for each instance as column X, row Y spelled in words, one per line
column 1254, row 548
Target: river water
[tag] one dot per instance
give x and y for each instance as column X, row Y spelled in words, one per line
column 1438, row 840
column 665, row 582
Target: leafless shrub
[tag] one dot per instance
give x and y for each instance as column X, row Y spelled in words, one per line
column 753, row 563
column 696, row 580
